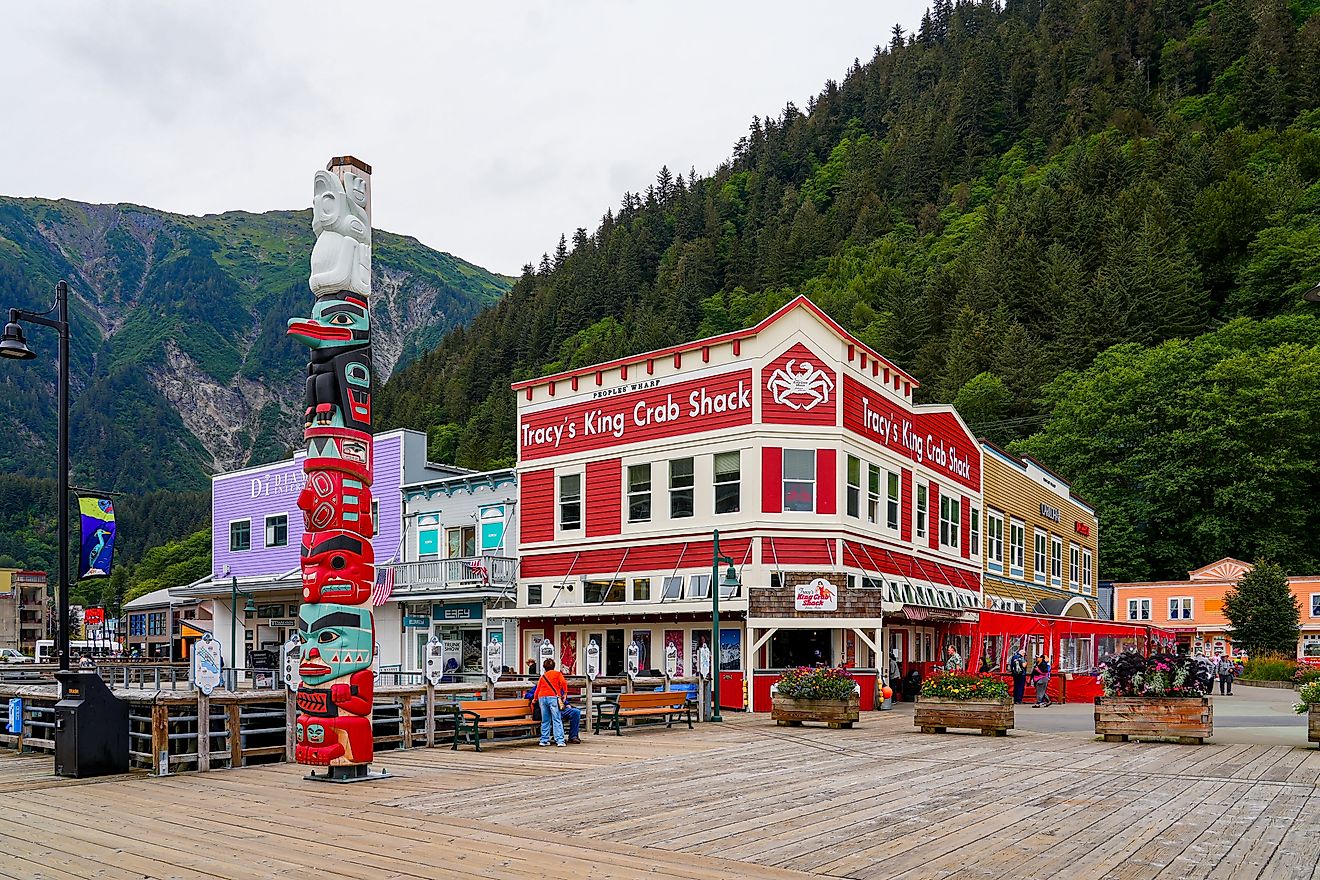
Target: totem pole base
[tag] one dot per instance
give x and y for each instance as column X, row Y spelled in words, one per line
column 349, row 773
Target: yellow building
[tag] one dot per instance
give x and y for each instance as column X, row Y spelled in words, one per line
column 1040, row 549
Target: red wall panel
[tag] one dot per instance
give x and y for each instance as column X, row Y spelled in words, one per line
column 827, row 479
column 604, row 497
column 536, row 506
column 807, row 390
column 772, row 479
column 682, row 555
column 966, row 531
column 871, row 558
column 797, row 551
column 933, row 516
column 907, row 505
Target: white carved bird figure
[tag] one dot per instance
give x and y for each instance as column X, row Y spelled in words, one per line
column 341, row 257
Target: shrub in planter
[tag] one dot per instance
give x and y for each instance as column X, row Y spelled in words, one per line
column 1152, row 697
column 959, row 699
column 1129, row 674
column 816, row 683
column 965, row 686
column 1308, row 698
column 1306, row 674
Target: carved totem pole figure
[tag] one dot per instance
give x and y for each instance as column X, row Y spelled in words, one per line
column 335, row 626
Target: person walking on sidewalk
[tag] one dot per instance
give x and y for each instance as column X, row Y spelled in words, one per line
column 1040, row 676
column 1226, row 671
column 551, row 696
column 1017, row 667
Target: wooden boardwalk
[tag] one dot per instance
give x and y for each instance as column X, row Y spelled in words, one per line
column 742, row 800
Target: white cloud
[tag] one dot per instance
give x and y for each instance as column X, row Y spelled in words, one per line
column 493, row 128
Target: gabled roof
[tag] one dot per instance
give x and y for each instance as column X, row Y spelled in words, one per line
column 798, row 302
column 1226, row 569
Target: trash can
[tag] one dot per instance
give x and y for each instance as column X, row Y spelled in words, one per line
column 91, row 727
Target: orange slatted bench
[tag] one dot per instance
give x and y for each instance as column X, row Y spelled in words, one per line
column 655, row 704
column 475, row 716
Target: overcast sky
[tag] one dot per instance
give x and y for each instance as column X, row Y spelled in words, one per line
column 492, row 127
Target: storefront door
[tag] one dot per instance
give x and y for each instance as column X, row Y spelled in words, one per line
column 615, row 658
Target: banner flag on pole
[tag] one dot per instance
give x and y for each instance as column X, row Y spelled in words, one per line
column 97, row 548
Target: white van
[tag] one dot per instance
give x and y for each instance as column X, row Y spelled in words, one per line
column 9, row 655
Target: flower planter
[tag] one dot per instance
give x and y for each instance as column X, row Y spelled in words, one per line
column 1313, row 724
column 1186, row 719
column 937, row 714
column 834, row 713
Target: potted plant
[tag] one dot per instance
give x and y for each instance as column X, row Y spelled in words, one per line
column 960, row 699
column 1151, row 698
column 821, row 693
column 1309, row 704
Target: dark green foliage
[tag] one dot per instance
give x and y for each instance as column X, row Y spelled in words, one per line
column 171, row 564
column 1263, row 611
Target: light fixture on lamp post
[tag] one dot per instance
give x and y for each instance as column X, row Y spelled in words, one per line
column 13, row 345
column 731, row 581
column 249, row 608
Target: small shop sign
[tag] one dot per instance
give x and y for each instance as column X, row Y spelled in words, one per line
column 1082, row 529
column 282, row 623
column 457, row 611
column 817, row 594
column 416, row 621
column 1051, row 513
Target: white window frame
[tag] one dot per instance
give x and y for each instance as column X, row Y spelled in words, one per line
column 853, row 497
column 375, row 517
column 1056, row 561
column 579, row 499
column 1088, row 575
column 462, row 543
column 1137, row 607
column 994, row 540
column 266, row 523
column 1315, row 604
column 1074, row 565
column 677, row 490
column 717, row 483
column 784, row 479
column 1017, row 547
column 974, row 532
column 428, row 522
column 950, row 525
column 893, row 500
column 1041, row 555
column 630, row 496
column 1183, row 604
column 234, row 522
column 921, row 511
column 873, row 473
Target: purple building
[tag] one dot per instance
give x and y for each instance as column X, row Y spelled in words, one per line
column 256, row 534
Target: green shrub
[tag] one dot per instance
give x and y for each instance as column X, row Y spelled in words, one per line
column 965, row 686
column 1270, row 667
column 1309, row 696
column 1306, row 674
column 816, row 683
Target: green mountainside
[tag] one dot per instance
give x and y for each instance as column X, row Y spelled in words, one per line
column 993, row 202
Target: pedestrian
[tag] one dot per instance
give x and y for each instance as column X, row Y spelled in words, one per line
column 952, row 662
column 985, row 664
column 551, row 696
column 571, row 714
column 895, row 675
column 531, row 667
column 1017, row 667
column 1226, row 671
column 1040, row 676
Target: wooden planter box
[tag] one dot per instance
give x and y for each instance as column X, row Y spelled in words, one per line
column 1313, row 724
column 1186, row 719
column 937, row 714
column 834, row 713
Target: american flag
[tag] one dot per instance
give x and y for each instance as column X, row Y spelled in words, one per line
column 384, row 587
column 479, row 570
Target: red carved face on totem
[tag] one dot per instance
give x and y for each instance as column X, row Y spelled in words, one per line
column 335, row 500
column 337, row 566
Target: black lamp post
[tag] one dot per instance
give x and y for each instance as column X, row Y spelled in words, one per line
column 13, row 345
column 731, row 581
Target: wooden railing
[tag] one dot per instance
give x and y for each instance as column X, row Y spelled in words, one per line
column 179, row 730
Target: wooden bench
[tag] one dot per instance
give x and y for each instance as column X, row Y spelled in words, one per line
column 475, row 716
column 657, row 704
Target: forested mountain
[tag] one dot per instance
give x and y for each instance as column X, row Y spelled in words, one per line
column 992, row 201
column 180, row 363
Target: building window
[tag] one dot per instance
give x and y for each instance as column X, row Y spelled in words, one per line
column 1039, row 574
column 533, row 594
column 1088, row 561
column 641, row 590
column 974, row 532
column 681, row 483
column 602, row 592
column 891, row 504
column 950, row 520
column 1138, row 609
column 994, row 540
column 1056, row 560
column 277, row 530
column 1310, row 646
column 137, row 625
column 428, row 536
column 800, row 480
column 672, row 588
column 922, row 510
column 699, row 586
column 156, row 623
column 1180, row 608
column 1315, row 604
column 461, row 541
column 639, row 493
column 375, row 517
column 1074, row 565
column 728, row 482
column 240, row 535
column 1017, row 547
column 570, row 502
column 854, row 486
column 873, row 495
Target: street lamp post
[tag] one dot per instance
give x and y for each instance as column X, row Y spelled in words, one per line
column 730, row 580
column 249, row 608
column 13, row 345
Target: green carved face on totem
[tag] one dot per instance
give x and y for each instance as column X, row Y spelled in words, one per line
column 337, row 640
column 336, row 321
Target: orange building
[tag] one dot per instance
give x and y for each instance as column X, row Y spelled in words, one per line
column 1194, row 609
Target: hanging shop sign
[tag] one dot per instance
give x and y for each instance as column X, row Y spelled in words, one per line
column 817, row 594
column 416, row 621
column 655, row 412
column 455, row 611
column 282, row 623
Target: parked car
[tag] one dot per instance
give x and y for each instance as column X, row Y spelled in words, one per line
column 9, row 655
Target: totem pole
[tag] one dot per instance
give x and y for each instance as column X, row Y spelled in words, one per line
column 335, row 626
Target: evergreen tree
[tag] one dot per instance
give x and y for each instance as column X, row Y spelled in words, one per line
column 1264, row 611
